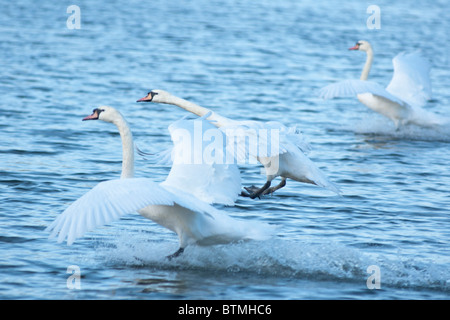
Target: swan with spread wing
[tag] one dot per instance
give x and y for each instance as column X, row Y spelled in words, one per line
column 172, row 203
column 402, row 100
column 281, row 150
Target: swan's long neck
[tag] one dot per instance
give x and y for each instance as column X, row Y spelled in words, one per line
column 127, row 148
column 366, row 69
column 219, row 121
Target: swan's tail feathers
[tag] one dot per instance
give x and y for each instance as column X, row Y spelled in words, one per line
column 303, row 169
column 261, row 231
column 330, row 186
column 318, row 177
column 424, row 118
column 229, row 230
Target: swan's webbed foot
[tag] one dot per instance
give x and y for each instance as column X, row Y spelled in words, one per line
column 245, row 194
column 251, row 189
column 273, row 189
column 254, row 191
column 175, row 254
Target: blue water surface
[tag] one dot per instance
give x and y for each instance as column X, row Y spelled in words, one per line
column 258, row 60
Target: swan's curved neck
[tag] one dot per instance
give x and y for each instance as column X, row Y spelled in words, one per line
column 127, row 148
column 366, row 69
column 219, row 121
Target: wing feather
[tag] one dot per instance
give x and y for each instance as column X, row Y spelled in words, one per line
column 410, row 81
column 106, row 202
column 200, row 164
column 253, row 139
column 351, row 88
column 110, row 200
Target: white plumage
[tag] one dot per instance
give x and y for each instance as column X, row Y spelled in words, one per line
column 194, row 221
column 281, row 150
column 198, row 163
column 402, row 100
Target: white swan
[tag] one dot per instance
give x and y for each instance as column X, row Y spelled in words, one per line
column 194, row 221
column 198, row 164
column 403, row 98
column 282, row 154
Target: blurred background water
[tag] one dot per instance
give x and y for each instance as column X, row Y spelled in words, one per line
column 261, row 60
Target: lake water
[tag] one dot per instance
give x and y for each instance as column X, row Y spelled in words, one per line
column 260, row 60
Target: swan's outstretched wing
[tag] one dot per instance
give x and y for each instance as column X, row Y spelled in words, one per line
column 199, row 162
column 195, row 222
column 106, row 202
column 351, row 88
column 248, row 140
column 411, row 81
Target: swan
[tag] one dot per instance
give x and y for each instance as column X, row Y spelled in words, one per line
column 193, row 220
column 287, row 156
column 402, row 100
column 198, row 166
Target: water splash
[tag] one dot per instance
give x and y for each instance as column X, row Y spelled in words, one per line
column 380, row 127
column 282, row 258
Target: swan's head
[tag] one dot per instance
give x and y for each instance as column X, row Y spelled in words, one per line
column 104, row 113
column 362, row 46
column 159, row 96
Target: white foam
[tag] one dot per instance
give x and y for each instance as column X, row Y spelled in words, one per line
column 281, row 258
column 379, row 126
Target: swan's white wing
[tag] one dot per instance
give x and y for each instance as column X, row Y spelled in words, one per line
column 411, row 81
column 248, row 140
column 199, row 162
column 106, row 202
column 215, row 183
column 351, row 88
column 294, row 136
column 195, row 222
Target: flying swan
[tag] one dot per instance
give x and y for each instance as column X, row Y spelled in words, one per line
column 283, row 154
column 193, row 220
column 404, row 97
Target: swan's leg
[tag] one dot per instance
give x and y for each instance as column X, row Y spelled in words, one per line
column 273, row 189
column 251, row 190
column 255, row 192
column 175, row 254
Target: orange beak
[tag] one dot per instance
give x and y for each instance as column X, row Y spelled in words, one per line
column 356, row 47
column 142, row 99
column 93, row 116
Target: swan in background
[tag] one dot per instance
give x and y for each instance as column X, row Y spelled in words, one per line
column 403, row 98
column 284, row 156
column 193, row 220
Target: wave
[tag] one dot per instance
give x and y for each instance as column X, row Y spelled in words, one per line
column 383, row 128
column 286, row 259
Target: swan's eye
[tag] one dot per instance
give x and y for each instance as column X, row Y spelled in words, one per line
column 98, row 111
column 152, row 94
